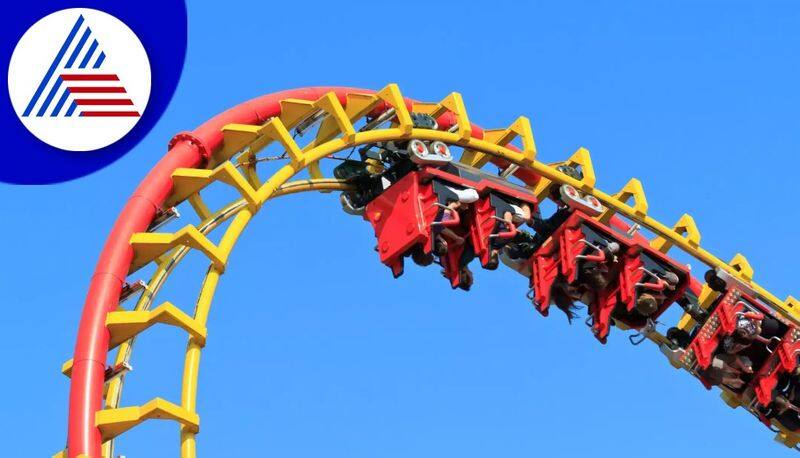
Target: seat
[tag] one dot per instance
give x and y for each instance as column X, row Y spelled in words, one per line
column 401, row 217
column 545, row 266
column 644, row 271
column 721, row 323
column 487, row 224
column 581, row 240
column 783, row 361
column 578, row 240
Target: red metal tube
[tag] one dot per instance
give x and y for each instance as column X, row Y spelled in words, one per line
column 91, row 348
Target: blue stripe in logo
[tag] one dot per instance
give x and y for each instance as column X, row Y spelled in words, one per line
column 88, row 55
column 79, row 47
column 100, row 60
column 53, row 66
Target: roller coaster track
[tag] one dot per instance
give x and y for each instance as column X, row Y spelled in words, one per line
column 225, row 149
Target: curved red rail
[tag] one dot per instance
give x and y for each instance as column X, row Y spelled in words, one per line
column 186, row 150
column 91, row 348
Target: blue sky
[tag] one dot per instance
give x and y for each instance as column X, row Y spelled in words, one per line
column 314, row 350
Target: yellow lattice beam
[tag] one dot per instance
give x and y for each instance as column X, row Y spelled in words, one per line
column 394, row 98
column 337, row 120
column 113, row 422
column 123, row 325
column 502, row 137
column 581, row 157
column 149, row 246
column 632, row 190
column 740, row 264
column 188, row 182
column 685, row 227
column 294, row 111
column 455, row 104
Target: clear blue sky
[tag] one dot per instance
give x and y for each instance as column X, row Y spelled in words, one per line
column 698, row 101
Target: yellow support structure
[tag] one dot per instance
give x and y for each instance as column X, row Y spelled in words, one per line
column 66, row 368
column 187, row 182
column 275, row 130
column 294, row 111
column 424, row 107
column 729, row 398
column 125, row 324
column 113, row 422
column 199, row 206
column 337, row 120
column 149, row 246
column 705, row 299
column 359, row 105
column 708, row 296
column 632, row 189
column 392, row 96
column 686, row 228
column 228, row 174
column 786, row 436
column 237, row 137
column 502, row 137
column 791, row 303
column 581, row 157
column 455, row 104
column 63, row 454
column 741, row 265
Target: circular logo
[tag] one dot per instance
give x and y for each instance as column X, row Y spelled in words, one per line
column 79, row 79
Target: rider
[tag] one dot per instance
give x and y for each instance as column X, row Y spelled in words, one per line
column 513, row 218
column 544, row 227
column 649, row 301
column 594, row 275
column 444, row 234
column 594, row 270
column 729, row 365
column 450, row 216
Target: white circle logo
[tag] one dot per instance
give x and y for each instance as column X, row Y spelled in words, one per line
column 79, row 79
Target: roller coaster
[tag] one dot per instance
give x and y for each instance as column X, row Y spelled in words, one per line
column 438, row 190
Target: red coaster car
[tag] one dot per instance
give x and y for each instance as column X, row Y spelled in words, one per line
column 782, row 362
column 614, row 274
column 402, row 217
column 486, row 216
column 409, row 214
column 767, row 348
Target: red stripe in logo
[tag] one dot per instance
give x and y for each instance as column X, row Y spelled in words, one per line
column 90, row 77
column 103, row 101
column 110, row 114
column 96, row 90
